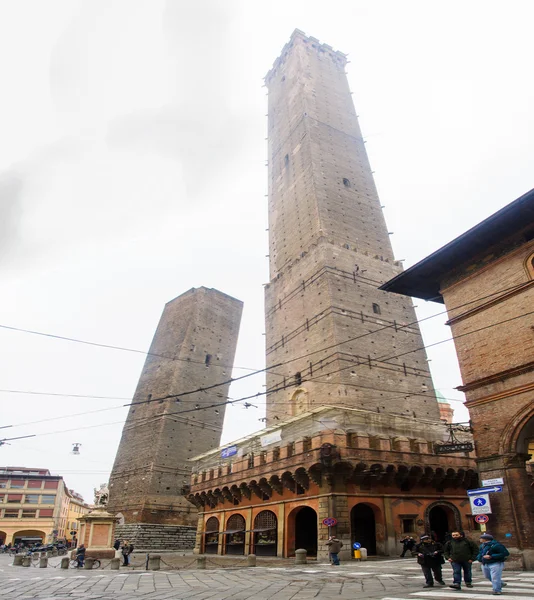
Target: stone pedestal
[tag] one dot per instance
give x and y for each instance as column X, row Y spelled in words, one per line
column 97, row 530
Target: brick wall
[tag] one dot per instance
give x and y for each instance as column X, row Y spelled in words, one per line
column 329, row 250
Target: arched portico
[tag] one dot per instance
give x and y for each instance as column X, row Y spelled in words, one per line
column 302, row 531
column 442, row 517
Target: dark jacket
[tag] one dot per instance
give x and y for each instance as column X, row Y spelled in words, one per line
column 496, row 550
column 432, row 553
column 117, row 544
column 461, row 550
column 334, row 546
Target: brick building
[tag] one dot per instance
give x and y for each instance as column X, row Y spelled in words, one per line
column 352, row 416
column 485, row 278
column 193, row 347
column 33, row 506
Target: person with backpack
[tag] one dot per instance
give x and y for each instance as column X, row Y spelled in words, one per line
column 430, row 557
column 461, row 553
column 408, row 544
column 492, row 555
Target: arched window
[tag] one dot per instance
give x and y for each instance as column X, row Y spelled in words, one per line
column 265, row 533
column 235, row 535
column 346, row 182
column 211, row 538
column 530, row 266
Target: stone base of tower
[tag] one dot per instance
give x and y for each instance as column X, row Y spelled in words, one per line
column 149, row 536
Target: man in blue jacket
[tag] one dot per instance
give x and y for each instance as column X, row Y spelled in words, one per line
column 492, row 555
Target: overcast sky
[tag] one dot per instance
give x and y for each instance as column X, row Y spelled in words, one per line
column 132, row 168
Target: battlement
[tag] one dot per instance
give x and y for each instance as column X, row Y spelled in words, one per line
column 299, row 37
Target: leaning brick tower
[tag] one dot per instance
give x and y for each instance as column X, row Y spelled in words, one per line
column 193, row 347
column 340, row 339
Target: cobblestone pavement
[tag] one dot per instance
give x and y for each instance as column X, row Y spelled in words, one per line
column 382, row 580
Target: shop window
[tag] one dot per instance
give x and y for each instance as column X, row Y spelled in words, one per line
column 211, row 540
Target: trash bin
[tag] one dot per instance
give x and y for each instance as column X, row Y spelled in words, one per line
column 358, row 554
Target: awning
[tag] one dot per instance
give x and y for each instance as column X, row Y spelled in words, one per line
column 231, row 531
column 260, row 529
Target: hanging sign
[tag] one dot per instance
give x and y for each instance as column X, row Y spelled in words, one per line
column 230, row 451
column 480, row 505
column 450, row 448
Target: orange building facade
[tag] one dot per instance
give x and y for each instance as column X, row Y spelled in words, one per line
column 378, row 475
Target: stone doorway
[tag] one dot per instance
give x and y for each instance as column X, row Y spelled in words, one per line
column 363, row 527
column 302, row 523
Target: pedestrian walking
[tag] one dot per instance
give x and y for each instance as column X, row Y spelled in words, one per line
column 408, row 544
column 334, row 547
column 492, row 555
column 430, row 557
column 461, row 552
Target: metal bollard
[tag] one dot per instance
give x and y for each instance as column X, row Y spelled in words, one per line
column 43, row 562
column 89, row 562
column 26, row 561
column 115, row 564
column 154, row 562
column 201, row 562
column 17, row 560
column 251, row 560
column 65, row 562
column 300, row 556
column 55, row 552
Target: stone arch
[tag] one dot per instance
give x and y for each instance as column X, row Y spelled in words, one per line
column 234, row 542
column 515, row 430
column 529, row 265
column 368, row 527
column 265, row 530
column 3, row 537
column 302, row 530
column 453, row 516
column 31, row 534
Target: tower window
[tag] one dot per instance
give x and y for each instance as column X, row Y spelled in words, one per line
column 286, row 160
column 207, row 360
column 346, row 182
column 376, row 309
column 298, row 378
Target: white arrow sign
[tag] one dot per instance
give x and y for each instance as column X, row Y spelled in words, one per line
column 480, row 505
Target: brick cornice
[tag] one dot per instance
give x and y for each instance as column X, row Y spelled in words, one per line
column 520, row 289
column 499, row 396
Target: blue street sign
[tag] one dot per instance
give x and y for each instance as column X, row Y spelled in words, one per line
column 479, row 501
column 507, row 535
column 356, row 545
column 230, row 451
column 485, row 490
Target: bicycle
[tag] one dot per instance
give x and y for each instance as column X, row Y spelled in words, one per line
column 73, row 564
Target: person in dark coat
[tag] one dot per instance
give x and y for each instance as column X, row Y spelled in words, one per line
column 117, row 544
column 408, row 543
column 334, row 547
column 492, row 555
column 430, row 557
column 80, row 556
column 461, row 553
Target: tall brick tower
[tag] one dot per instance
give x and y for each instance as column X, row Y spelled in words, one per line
column 193, row 347
column 347, row 342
